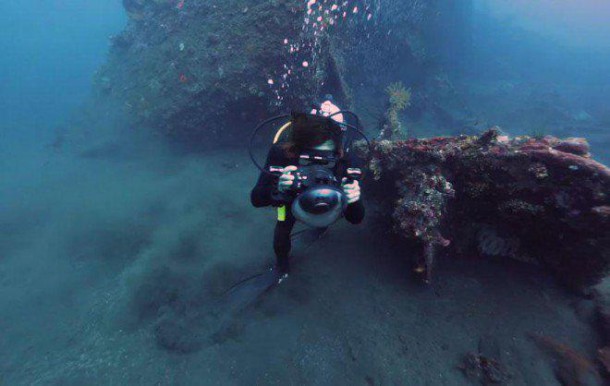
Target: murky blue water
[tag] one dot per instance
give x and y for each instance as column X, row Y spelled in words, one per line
column 114, row 249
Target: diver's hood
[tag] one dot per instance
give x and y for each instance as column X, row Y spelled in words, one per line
column 319, row 206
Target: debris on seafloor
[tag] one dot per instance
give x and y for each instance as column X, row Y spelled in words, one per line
column 571, row 367
column 478, row 367
column 540, row 200
column 485, row 366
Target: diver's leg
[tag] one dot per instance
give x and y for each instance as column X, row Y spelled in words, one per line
column 282, row 243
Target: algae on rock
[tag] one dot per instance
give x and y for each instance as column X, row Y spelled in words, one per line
column 544, row 201
column 203, row 72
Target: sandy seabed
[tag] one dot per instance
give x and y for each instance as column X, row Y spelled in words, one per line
column 112, row 259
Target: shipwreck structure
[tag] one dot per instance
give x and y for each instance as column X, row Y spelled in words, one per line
column 541, row 200
column 201, row 72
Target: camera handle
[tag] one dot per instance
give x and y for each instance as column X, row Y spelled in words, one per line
column 353, row 174
column 284, row 198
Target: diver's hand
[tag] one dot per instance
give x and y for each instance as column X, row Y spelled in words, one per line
column 352, row 191
column 286, row 179
column 328, row 108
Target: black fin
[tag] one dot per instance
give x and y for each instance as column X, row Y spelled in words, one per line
column 246, row 292
column 304, row 239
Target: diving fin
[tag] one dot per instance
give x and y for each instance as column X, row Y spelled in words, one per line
column 245, row 293
column 304, row 239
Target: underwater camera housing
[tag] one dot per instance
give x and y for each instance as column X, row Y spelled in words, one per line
column 316, row 197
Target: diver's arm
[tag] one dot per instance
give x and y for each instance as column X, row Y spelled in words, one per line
column 261, row 194
column 355, row 211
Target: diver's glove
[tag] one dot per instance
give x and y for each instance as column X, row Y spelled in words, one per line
column 286, row 180
column 282, row 193
column 351, row 190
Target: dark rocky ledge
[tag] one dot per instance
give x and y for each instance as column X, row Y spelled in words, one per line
column 540, row 200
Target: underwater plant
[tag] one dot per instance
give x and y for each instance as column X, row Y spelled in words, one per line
column 539, row 133
column 399, row 99
column 400, row 96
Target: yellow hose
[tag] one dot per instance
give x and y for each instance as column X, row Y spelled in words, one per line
column 280, row 131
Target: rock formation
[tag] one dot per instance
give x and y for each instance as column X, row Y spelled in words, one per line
column 204, row 72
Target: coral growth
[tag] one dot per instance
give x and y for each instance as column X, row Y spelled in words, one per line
column 399, row 99
column 539, row 200
column 199, row 71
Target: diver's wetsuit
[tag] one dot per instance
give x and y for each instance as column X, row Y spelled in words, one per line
column 267, row 184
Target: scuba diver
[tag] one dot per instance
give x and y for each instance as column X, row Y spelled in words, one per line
column 312, row 177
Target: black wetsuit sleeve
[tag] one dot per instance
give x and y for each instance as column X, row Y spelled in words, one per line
column 355, row 212
column 261, row 194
